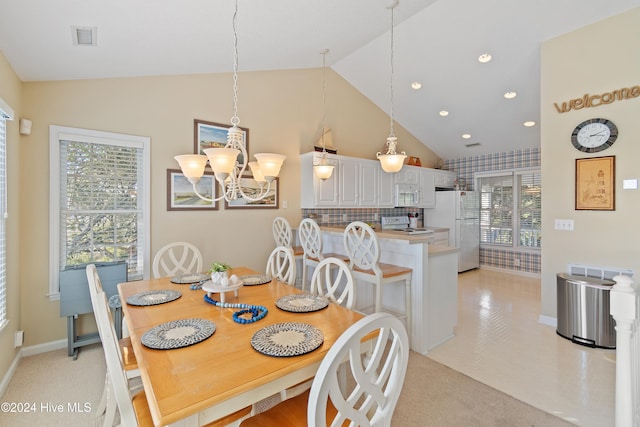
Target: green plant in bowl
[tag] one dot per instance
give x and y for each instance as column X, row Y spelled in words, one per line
column 218, row 267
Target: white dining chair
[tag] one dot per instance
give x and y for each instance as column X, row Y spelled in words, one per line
column 332, row 279
column 361, row 243
column 107, row 406
column 283, row 236
column 281, row 265
column 370, row 395
column 177, row 258
column 132, row 407
column 310, row 237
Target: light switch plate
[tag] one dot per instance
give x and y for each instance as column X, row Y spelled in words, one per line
column 564, row 224
column 630, row 184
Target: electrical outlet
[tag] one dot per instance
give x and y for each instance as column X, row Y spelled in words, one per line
column 516, row 262
column 564, row 224
column 19, row 339
column 345, row 217
column 375, row 217
column 325, row 218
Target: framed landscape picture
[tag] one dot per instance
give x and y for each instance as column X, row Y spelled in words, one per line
column 214, row 135
column 595, row 183
column 180, row 194
column 251, row 187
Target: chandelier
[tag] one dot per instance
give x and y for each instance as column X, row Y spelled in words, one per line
column 391, row 161
column 323, row 170
column 224, row 161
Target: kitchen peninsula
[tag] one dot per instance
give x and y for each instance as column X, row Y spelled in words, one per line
column 434, row 283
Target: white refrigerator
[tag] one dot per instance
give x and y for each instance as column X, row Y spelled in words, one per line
column 459, row 211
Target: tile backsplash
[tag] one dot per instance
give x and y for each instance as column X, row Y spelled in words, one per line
column 369, row 215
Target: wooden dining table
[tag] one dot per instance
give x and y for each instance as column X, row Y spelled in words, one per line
column 223, row 374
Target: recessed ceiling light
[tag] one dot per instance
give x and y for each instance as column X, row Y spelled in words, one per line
column 510, row 95
column 466, row 135
column 444, row 113
column 416, row 85
column 529, row 123
column 484, row 58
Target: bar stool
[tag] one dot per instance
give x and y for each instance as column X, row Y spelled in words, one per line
column 311, row 239
column 362, row 245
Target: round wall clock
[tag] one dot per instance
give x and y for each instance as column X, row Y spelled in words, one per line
column 594, row 135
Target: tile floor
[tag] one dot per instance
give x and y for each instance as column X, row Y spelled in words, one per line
column 500, row 342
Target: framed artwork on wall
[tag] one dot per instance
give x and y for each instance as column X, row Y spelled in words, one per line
column 595, row 183
column 248, row 183
column 214, row 135
column 180, row 194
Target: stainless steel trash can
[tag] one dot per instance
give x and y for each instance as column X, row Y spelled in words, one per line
column 583, row 311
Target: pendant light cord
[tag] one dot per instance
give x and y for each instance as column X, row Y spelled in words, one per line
column 391, row 134
column 235, row 120
column 324, row 97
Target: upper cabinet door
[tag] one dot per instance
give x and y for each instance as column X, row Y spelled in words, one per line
column 427, row 188
column 348, row 194
column 369, row 183
column 387, row 187
column 315, row 192
column 408, row 175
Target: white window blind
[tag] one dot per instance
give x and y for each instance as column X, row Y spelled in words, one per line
column 511, row 208
column 5, row 114
column 102, row 202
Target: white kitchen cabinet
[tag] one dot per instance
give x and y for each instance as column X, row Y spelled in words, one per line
column 349, row 182
column 408, row 175
column 427, row 188
column 445, row 179
column 369, row 183
column 354, row 183
column 315, row 192
column 386, row 188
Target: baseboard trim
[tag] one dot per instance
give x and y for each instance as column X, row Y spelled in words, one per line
column 44, row 348
column 548, row 320
column 9, row 374
column 28, row 351
column 509, row 271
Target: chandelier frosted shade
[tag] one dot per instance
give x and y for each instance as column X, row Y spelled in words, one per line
column 192, row 166
column 222, row 161
column 270, row 164
column 257, row 172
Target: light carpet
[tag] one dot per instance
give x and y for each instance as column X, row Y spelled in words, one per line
column 62, row 392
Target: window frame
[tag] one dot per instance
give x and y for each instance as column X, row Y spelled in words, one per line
column 63, row 133
column 6, row 114
column 515, row 225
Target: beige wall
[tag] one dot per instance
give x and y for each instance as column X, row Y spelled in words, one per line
column 282, row 109
column 596, row 59
column 11, row 93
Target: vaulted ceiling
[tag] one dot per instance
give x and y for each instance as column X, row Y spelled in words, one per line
column 437, row 44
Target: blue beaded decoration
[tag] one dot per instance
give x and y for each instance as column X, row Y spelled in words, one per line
column 258, row 312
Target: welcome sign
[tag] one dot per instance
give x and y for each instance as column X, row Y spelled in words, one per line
column 591, row 101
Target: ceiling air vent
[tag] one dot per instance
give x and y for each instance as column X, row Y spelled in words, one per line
column 84, row 36
column 473, row 144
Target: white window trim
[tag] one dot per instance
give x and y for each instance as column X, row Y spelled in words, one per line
column 58, row 133
column 516, row 195
column 7, row 114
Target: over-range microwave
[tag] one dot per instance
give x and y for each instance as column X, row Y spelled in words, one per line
column 407, row 195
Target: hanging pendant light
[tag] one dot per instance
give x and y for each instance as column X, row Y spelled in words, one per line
column 224, row 161
column 323, row 170
column 391, row 161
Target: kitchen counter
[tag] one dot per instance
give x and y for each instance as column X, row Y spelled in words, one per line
column 434, row 282
column 400, row 235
